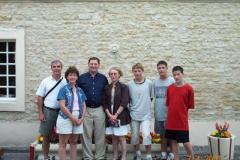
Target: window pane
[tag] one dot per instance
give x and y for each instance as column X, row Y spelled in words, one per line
column 3, row 46
column 3, row 69
column 3, row 58
column 11, row 69
column 11, row 58
column 3, row 92
column 11, row 81
column 11, row 46
column 12, row 92
column 3, row 81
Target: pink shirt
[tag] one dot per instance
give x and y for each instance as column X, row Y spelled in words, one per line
column 75, row 101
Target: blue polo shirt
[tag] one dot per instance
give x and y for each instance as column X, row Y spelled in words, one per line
column 93, row 87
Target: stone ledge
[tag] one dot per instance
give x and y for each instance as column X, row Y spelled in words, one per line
column 165, row 1
column 54, row 147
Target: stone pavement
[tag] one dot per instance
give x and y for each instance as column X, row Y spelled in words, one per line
column 22, row 153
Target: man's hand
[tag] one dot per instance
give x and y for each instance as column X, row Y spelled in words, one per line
column 42, row 117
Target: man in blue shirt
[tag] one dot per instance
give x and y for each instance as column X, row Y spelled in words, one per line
column 93, row 84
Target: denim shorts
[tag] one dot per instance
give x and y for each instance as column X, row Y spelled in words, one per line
column 160, row 127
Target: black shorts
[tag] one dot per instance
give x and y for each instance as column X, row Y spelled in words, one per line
column 179, row 136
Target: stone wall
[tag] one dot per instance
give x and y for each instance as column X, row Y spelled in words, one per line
column 202, row 37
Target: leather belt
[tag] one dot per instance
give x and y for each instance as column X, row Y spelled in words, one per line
column 52, row 109
column 93, row 106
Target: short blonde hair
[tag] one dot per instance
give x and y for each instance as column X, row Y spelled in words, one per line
column 117, row 69
column 137, row 66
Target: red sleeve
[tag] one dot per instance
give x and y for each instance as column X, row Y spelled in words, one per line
column 167, row 97
column 191, row 103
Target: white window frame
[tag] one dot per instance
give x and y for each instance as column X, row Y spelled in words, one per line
column 18, row 103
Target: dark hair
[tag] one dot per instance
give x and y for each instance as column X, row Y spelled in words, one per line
column 94, row 58
column 162, row 62
column 71, row 69
column 137, row 66
column 177, row 68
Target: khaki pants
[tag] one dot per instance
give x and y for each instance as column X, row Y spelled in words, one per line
column 94, row 122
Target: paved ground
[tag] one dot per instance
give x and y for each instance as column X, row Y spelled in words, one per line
column 202, row 151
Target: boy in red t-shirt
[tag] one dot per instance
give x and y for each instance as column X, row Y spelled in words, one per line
column 180, row 98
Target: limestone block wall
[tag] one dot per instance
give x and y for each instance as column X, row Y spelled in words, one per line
column 202, row 37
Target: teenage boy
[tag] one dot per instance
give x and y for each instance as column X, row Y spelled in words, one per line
column 160, row 85
column 180, row 98
column 141, row 93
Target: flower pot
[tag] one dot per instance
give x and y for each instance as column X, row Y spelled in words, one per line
column 221, row 148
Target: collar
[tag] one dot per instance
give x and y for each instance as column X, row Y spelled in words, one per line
column 55, row 79
column 117, row 84
column 139, row 82
column 70, row 87
column 89, row 74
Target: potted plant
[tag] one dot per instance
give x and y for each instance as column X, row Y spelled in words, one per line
column 221, row 142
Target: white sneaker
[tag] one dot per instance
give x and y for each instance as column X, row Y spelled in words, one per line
column 163, row 156
column 50, row 157
column 170, row 156
column 137, row 157
column 148, row 157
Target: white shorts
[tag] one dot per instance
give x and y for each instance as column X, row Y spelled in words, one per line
column 117, row 131
column 145, row 128
column 65, row 126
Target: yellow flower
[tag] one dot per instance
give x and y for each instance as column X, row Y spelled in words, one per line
column 40, row 139
column 214, row 133
column 221, row 131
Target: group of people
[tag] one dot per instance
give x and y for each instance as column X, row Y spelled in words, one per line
column 87, row 104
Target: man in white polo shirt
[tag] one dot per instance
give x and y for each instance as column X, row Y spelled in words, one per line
column 47, row 103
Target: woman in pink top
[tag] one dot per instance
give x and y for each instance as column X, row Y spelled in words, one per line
column 69, row 123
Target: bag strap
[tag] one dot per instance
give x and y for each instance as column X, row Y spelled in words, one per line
column 53, row 88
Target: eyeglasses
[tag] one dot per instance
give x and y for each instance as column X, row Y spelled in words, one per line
column 113, row 73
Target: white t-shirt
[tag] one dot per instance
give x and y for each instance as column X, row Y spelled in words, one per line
column 140, row 99
column 46, row 84
column 160, row 89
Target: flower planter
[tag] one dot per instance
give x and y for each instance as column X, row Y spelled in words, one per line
column 221, row 148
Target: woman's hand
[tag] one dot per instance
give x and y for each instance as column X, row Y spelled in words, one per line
column 115, row 117
column 112, row 118
column 74, row 120
column 79, row 122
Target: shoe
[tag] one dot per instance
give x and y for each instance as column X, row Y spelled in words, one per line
column 163, row 156
column 155, row 157
column 120, row 157
column 148, row 158
column 137, row 157
column 48, row 158
column 170, row 156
